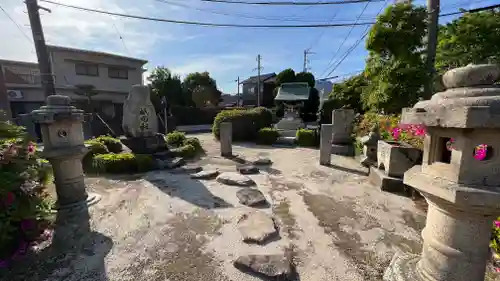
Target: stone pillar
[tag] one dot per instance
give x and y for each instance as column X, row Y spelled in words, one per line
column 342, row 129
column 459, row 177
column 62, row 134
column 226, row 139
column 325, row 144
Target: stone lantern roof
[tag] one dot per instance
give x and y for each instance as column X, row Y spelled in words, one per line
column 470, row 101
column 58, row 108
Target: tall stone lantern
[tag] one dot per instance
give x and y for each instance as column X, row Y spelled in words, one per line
column 62, row 134
column 459, row 177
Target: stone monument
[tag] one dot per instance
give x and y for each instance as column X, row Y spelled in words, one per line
column 342, row 120
column 293, row 96
column 226, row 139
column 461, row 183
column 325, row 144
column 62, row 135
column 140, row 123
column 370, row 143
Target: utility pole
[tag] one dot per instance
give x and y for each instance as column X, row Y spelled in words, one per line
column 432, row 31
column 259, row 67
column 238, row 87
column 306, row 60
column 4, row 99
column 41, row 47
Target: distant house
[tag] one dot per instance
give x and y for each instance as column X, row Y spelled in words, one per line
column 228, row 100
column 249, row 88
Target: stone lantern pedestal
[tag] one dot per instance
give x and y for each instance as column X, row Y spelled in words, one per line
column 62, row 135
column 459, row 177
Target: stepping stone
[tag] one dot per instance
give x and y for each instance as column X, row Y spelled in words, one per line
column 251, row 197
column 233, row 178
column 189, row 169
column 247, row 169
column 205, row 175
column 262, row 161
column 277, row 267
column 174, row 163
column 257, row 227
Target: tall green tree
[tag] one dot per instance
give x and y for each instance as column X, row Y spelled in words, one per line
column 348, row 93
column 201, row 80
column 166, row 84
column 285, row 76
column 395, row 67
column 472, row 38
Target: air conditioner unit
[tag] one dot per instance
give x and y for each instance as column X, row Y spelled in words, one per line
column 14, row 94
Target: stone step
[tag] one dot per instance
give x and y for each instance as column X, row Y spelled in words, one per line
column 286, row 140
column 287, row 133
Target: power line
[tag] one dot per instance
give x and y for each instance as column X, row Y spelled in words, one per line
column 472, row 10
column 16, row 24
column 206, row 23
column 291, row 3
column 345, row 39
column 121, row 38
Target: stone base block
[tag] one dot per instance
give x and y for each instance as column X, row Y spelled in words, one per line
column 145, row 145
column 402, row 268
column 92, row 199
column 378, row 178
column 343, row 149
column 288, row 141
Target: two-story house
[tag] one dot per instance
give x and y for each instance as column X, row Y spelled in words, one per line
column 111, row 76
column 250, row 90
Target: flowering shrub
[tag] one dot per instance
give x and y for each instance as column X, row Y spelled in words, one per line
column 25, row 207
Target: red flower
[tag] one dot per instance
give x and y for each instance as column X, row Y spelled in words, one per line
column 9, row 199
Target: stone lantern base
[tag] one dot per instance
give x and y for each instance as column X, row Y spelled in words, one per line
column 92, row 199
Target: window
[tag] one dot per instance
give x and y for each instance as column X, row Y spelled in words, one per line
column 118, row 72
column 87, row 69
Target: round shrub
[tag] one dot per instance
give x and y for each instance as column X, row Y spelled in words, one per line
column 113, row 145
column 95, row 148
column 195, row 142
column 267, row 136
column 306, row 138
column 175, row 138
column 122, row 163
column 246, row 123
column 185, row 151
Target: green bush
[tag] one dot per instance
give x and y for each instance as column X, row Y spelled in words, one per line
column 175, row 138
column 122, row 163
column 267, row 136
column 246, row 123
column 195, row 142
column 306, row 138
column 185, row 151
column 25, row 208
column 113, row 145
column 95, row 148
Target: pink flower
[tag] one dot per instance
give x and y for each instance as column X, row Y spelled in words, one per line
column 396, row 132
column 497, row 224
column 9, row 199
column 31, row 148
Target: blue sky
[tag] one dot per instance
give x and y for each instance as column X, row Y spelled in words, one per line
column 224, row 52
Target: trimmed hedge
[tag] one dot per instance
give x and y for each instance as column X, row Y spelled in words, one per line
column 122, row 163
column 95, row 148
column 185, row 151
column 195, row 142
column 267, row 136
column 307, row 138
column 175, row 138
column 113, row 145
column 246, row 123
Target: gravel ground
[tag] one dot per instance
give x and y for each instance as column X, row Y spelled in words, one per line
column 162, row 226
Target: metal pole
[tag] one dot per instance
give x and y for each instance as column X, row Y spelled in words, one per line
column 258, row 79
column 41, row 48
column 238, row 95
column 432, row 32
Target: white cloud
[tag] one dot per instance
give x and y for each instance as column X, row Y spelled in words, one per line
column 79, row 29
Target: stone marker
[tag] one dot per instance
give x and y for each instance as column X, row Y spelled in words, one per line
column 226, row 139
column 251, row 197
column 62, row 134
column 460, row 179
column 233, row 178
column 278, row 267
column 247, row 169
column 140, row 123
column 325, row 144
column 205, row 175
column 188, row 169
column 342, row 120
column 257, row 227
column 262, row 162
column 370, row 143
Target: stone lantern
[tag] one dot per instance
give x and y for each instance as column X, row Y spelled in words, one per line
column 62, row 134
column 459, row 177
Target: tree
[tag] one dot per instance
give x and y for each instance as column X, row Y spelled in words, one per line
column 305, row 77
column 166, row 84
column 208, row 84
column 285, row 76
column 395, row 67
column 472, row 38
column 203, row 95
column 348, row 93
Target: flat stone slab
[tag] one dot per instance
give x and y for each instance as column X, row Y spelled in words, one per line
column 379, row 179
column 343, row 149
column 277, row 267
column 251, row 197
column 188, row 169
column 257, row 227
column 247, row 169
column 233, row 178
column 205, row 175
column 170, row 163
column 262, row 162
